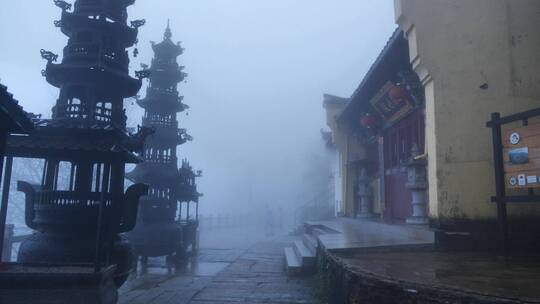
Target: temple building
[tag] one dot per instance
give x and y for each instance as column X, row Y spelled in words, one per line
column 377, row 127
column 166, row 210
column 81, row 207
column 412, row 138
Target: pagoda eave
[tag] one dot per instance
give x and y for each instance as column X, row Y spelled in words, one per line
column 167, row 49
column 165, row 174
column 175, row 76
column 105, row 78
column 157, row 105
column 32, row 147
column 94, row 141
column 127, row 34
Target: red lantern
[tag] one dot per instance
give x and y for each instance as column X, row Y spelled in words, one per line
column 368, row 121
column 397, row 93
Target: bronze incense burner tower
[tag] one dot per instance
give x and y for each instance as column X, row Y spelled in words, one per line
column 161, row 229
column 85, row 145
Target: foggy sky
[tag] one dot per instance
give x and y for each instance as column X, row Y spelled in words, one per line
column 257, row 71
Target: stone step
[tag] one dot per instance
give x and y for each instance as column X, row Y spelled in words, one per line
column 293, row 265
column 310, row 242
column 306, row 256
column 316, row 231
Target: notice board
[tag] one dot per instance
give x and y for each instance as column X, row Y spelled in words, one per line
column 521, row 154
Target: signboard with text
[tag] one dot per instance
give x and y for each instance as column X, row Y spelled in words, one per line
column 516, row 164
column 521, row 155
column 392, row 102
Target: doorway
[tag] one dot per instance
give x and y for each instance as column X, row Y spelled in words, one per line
column 398, row 142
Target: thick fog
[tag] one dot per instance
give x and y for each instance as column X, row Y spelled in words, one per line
column 257, row 72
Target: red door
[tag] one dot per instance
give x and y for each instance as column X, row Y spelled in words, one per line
column 398, row 142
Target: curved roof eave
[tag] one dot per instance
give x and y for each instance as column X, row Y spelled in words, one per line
column 392, row 43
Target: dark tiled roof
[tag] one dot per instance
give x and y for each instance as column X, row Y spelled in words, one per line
column 394, row 54
column 18, row 121
column 51, row 139
column 166, row 175
column 150, row 172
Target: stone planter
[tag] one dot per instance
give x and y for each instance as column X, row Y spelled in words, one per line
column 40, row 284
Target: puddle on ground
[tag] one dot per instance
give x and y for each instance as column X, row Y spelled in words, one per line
column 192, row 268
column 207, row 268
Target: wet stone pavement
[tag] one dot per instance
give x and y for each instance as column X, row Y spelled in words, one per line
column 244, row 276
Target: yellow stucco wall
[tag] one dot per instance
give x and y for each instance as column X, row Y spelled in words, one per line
column 350, row 149
column 339, row 137
column 456, row 47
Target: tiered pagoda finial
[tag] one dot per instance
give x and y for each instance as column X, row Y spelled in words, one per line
column 170, row 187
column 168, row 32
column 85, row 145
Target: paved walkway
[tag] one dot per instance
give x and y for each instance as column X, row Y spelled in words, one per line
column 218, row 276
column 345, row 234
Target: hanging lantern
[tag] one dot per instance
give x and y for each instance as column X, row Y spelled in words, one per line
column 398, row 92
column 368, row 121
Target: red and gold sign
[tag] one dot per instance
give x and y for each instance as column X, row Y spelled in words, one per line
column 392, row 102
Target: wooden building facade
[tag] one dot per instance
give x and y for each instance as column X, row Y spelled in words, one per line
column 381, row 124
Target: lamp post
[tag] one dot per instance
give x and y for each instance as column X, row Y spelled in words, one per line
column 417, row 184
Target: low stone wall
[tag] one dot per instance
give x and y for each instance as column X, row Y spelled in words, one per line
column 340, row 285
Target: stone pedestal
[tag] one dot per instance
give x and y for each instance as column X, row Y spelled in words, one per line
column 27, row 283
column 364, row 195
column 417, row 184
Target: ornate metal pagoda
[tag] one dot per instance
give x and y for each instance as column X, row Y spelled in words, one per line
column 80, row 207
column 161, row 228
